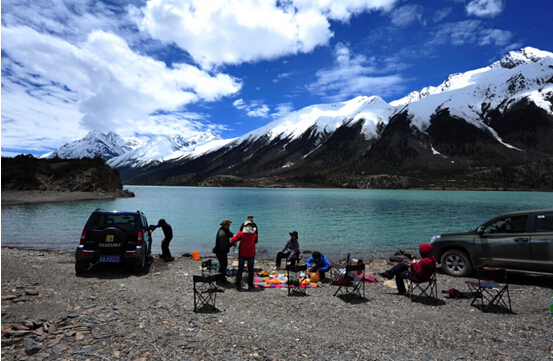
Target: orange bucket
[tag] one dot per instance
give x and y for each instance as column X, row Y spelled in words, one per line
column 195, row 255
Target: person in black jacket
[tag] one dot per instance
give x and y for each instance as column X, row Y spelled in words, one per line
column 168, row 233
column 222, row 247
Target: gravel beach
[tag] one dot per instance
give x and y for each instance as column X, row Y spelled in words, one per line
column 48, row 313
column 36, row 196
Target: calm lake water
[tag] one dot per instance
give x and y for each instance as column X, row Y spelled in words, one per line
column 333, row 221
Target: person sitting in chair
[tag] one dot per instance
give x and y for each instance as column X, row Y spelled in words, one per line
column 318, row 262
column 291, row 250
column 418, row 270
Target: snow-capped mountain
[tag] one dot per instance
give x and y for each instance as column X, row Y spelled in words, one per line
column 95, row 144
column 163, row 148
column 323, row 119
column 498, row 114
column 474, row 95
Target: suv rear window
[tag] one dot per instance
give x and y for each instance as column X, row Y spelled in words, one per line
column 126, row 222
column 544, row 222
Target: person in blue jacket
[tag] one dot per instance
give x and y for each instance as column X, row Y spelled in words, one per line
column 318, row 261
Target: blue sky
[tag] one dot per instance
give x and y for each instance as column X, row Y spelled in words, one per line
column 145, row 68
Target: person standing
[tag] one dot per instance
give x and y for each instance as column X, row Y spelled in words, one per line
column 291, row 251
column 222, row 247
column 168, row 233
column 250, row 220
column 246, row 253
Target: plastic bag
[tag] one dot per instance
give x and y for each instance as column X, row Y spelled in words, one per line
column 314, row 277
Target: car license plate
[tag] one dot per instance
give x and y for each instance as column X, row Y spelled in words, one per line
column 109, row 258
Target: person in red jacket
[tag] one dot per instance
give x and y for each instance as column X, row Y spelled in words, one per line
column 246, row 252
column 418, row 270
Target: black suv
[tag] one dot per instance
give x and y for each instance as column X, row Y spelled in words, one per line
column 520, row 240
column 115, row 237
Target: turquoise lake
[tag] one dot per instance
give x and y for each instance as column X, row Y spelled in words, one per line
column 333, row 221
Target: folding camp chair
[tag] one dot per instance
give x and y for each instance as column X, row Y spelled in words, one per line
column 205, row 292
column 336, row 271
column 424, row 288
column 295, row 287
column 487, row 292
column 350, row 283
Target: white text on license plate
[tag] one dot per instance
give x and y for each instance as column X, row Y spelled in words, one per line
column 109, row 258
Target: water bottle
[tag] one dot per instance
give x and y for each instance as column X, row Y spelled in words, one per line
column 551, row 305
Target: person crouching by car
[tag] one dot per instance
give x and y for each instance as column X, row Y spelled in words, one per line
column 168, row 233
column 418, row 270
column 246, row 252
column 318, row 262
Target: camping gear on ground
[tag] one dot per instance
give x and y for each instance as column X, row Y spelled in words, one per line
column 487, row 292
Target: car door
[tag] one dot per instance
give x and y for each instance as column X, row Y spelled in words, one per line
column 541, row 241
column 505, row 242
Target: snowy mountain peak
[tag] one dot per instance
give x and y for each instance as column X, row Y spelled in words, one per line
column 163, row 148
column 487, row 75
column 522, row 56
column 96, row 143
column 324, row 119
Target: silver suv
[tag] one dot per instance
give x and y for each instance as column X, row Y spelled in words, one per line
column 114, row 237
column 520, row 240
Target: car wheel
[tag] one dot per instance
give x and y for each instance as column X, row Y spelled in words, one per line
column 456, row 263
column 81, row 267
column 138, row 265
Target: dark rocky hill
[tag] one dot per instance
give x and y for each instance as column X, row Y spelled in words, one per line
column 27, row 173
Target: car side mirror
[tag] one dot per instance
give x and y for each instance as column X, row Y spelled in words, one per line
column 480, row 231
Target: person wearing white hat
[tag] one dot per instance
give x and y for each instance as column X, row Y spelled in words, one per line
column 249, row 220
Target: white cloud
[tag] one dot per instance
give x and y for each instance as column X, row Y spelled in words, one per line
column 101, row 84
column 355, row 75
column 470, row 32
column 406, row 15
column 218, row 32
column 282, row 110
column 485, row 8
column 441, row 14
column 495, row 37
column 255, row 108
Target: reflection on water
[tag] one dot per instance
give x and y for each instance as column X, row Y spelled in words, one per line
column 334, row 222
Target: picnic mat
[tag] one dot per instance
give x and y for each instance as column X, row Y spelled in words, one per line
column 260, row 282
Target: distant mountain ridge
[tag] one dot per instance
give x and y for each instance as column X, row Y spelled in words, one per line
column 96, row 143
column 497, row 116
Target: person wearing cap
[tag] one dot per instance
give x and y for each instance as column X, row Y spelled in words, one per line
column 249, row 219
column 318, row 262
column 291, row 251
column 246, row 253
column 168, row 233
column 222, row 248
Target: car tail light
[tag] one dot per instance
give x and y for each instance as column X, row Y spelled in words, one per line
column 131, row 253
column 83, row 238
column 86, row 254
column 139, row 239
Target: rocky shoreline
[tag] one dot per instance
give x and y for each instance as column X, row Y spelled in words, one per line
column 43, row 196
column 48, row 313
